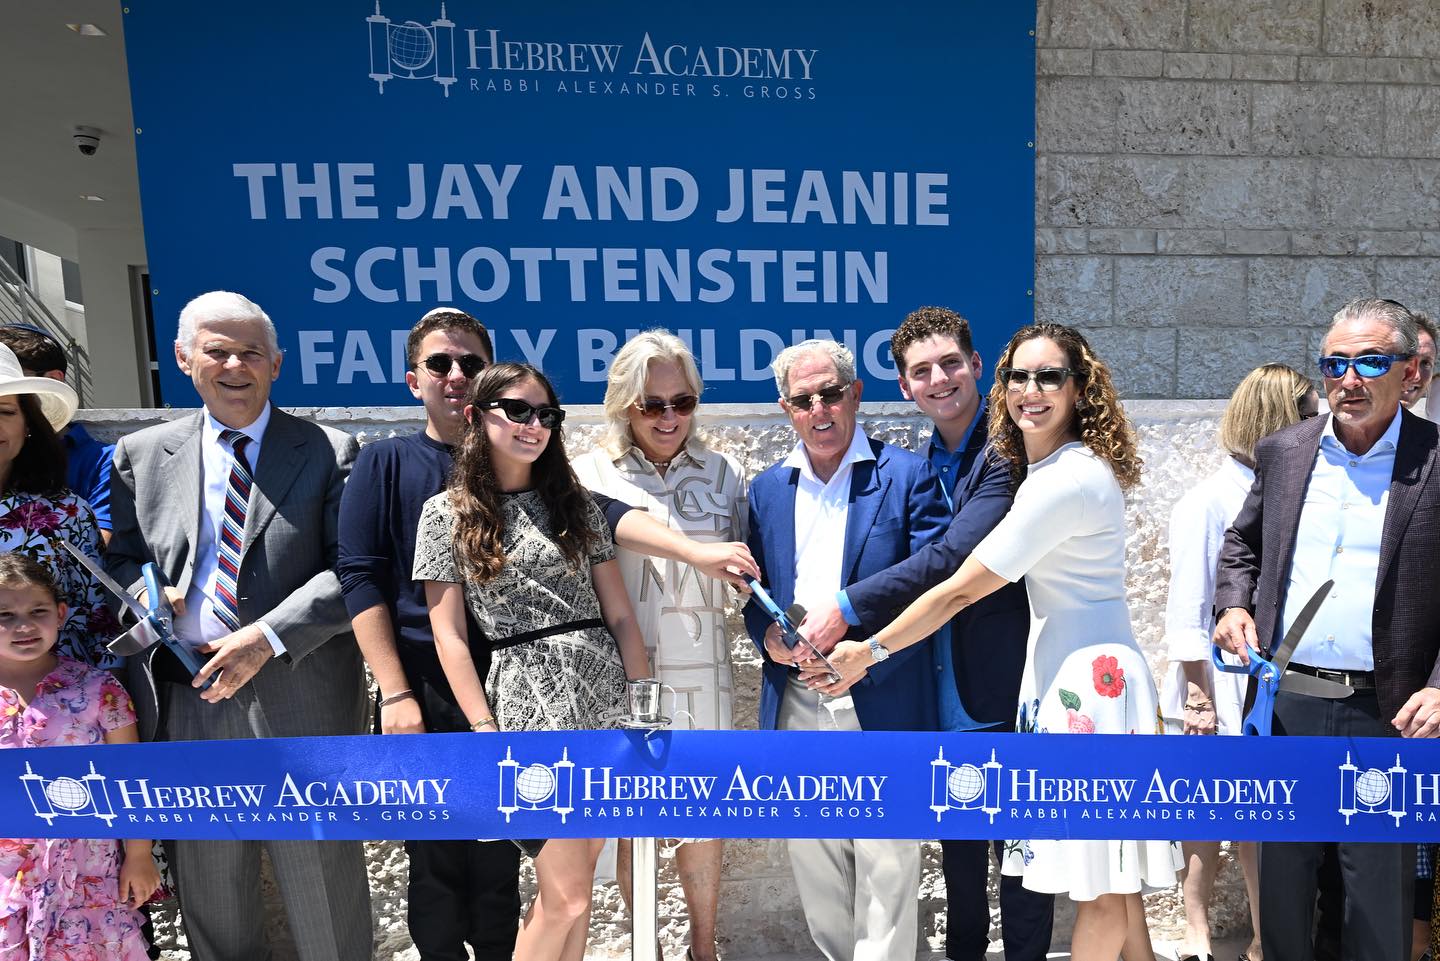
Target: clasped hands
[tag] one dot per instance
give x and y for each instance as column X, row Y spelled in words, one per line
column 824, row 628
column 1418, row 717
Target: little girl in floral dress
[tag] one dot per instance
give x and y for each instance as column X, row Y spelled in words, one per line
column 62, row 899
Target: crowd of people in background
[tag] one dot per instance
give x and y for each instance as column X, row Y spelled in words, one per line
column 490, row 584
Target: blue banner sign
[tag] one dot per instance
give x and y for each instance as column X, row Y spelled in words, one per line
column 747, row 174
column 731, row 784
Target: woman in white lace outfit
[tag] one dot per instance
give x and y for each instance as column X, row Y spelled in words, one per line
column 517, row 539
column 652, row 456
column 1055, row 416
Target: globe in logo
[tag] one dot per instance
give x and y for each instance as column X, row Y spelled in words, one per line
column 535, row 784
column 965, row 783
column 411, row 45
column 1372, row 787
column 67, row 794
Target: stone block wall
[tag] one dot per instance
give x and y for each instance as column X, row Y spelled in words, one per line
column 1214, row 178
column 760, row 910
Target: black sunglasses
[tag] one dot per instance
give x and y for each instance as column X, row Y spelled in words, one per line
column 653, row 407
column 1046, row 378
column 520, row 412
column 829, row 396
column 1333, row 366
column 440, row 364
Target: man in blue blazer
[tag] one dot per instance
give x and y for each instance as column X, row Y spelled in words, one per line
column 840, row 508
column 979, row 658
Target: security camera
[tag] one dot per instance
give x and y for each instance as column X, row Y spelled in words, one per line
column 87, row 140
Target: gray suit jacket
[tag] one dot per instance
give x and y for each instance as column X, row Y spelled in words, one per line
column 1260, row 546
column 287, row 576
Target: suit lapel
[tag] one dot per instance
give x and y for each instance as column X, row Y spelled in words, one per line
column 1413, row 461
column 1297, row 464
column 182, row 470
column 784, row 590
column 867, row 491
column 281, row 456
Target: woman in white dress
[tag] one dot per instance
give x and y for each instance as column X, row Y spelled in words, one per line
column 1056, row 417
column 652, row 457
column 1195, row 698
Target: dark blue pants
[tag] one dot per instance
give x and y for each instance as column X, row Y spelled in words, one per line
column 1026, row 918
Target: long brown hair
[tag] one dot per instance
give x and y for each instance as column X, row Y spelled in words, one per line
column 1101, row 420
column 475, row 490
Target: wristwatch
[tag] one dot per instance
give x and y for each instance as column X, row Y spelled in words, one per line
column 877, row 650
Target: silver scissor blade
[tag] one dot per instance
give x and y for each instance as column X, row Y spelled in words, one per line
column 1281, row 657
column 1297, row 683
column 124, row 596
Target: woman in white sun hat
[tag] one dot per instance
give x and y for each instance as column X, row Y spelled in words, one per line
column 37, row 510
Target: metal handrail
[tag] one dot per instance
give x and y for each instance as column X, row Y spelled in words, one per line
column 19, row 305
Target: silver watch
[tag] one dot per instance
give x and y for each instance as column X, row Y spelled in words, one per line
column 877, row 650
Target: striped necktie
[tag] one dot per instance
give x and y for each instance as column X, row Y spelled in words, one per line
column 232, row 532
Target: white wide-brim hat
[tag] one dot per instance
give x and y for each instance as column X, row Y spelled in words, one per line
column 58, row 401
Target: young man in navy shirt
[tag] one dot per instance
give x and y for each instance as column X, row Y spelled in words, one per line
column 980, row 663
column 460, row 891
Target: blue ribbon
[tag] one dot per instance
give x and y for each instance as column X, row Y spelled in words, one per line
column 731, row 784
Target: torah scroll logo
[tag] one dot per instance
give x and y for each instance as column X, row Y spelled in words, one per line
column 964, row 787
column 412, row 50
column 537, row 787
column 65, row 796
column 1372, row 791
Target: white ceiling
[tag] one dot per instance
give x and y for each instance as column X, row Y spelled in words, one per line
column 54, row 79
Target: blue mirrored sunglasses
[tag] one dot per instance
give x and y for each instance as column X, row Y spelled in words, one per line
column 1366, row 365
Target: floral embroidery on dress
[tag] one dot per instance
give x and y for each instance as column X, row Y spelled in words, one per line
column 1109, row 676
column 34, row 526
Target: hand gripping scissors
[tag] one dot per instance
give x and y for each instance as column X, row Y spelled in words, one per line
column 154, row 621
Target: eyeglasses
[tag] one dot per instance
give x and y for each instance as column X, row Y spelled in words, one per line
column 1046, row 378
column 1334, row 366
column 653, row 407
column 520, row 412
column 829, row 396
column 440, row 364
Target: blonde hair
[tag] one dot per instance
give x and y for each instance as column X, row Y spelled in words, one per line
column 1100, row 418
column 1266, row 400
column 625, row 385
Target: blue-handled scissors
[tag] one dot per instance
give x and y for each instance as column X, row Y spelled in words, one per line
column 788, row 630
column 154, row 620
column 1266, row 672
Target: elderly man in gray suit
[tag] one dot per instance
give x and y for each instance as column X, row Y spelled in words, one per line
column 237, row 504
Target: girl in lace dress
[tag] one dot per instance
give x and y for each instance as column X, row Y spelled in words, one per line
column 62, row 899
column 517, row 539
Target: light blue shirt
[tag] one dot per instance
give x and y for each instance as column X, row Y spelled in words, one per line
column 1339, row 539
column 947, row 463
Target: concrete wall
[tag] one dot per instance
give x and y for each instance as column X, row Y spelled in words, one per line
column 1215, row 177
column 761, row 913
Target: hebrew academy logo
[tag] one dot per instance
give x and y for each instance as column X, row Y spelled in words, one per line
column 412, row 50
column 1372, row 791
column 66, row 796
column 537, row 787
column 964, row 787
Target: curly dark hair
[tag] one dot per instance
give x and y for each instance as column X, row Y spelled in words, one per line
column 39, row 467
column 1102, row 425
column 475, row 490
column 926, row 322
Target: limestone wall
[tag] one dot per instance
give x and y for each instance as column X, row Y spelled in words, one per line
column 760, row 912
column 1215, row 177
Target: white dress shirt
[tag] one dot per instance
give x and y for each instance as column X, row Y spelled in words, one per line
column 199, row 625
column 1339, row 538
column 821, row 509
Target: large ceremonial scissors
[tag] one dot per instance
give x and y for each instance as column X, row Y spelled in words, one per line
column 1268, row 673
column 788, row 620
column 154, row 621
